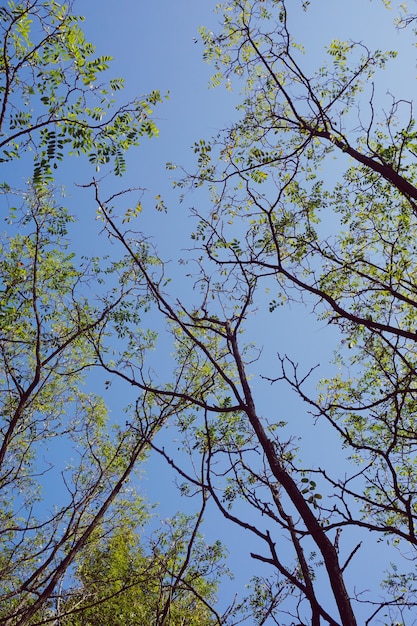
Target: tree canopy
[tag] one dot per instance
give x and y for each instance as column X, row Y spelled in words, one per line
column 313, row 196
column 65, row 467
column 52, row 102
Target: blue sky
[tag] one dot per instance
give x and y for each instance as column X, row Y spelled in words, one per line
column 156, row 46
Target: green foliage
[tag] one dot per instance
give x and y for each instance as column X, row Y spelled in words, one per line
column 52, row 100
column 44, row 350
column 121, row 579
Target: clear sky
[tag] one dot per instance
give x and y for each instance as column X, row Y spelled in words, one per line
column 155, row 45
